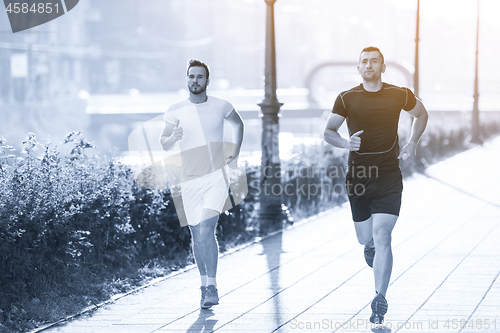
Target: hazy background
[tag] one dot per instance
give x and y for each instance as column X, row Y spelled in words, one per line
column 108, row 65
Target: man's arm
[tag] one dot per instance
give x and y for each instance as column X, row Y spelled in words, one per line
column 170, row 135
column 235, row 120
column 332, row 136
column 420, row 115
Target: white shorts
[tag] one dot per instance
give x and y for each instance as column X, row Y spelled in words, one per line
column 209, row 191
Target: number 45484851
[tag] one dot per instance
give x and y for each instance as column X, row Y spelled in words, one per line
column 35, row 8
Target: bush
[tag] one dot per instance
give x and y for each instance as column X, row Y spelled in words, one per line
column 66, row 222
column 79, row 227
column 315, row 178
column 448, row 133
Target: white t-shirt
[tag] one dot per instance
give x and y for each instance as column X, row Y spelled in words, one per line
column 201, row 146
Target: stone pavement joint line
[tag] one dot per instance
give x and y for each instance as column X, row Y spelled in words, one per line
column 430, row 251
column 319, row 300
column 482, row 299
column 263, row 274
column 313, row 277
column 394, row 280
column 446, row 278
column 464, row 192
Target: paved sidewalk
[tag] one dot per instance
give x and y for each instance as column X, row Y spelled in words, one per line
column 313, row 278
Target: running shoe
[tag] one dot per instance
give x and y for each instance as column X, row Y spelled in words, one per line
column 203, row 295
column 369, row 255
column 379, row 309
column 211, row 297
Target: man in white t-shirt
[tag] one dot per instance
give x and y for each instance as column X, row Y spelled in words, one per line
column 197, row 123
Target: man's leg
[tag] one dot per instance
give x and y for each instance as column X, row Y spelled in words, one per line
column 199, row 254
column 210, row 248
column 382, row 264
column 205, row 247
column 364, row 232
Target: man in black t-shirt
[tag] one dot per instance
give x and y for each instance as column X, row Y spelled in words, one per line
column 373, row 180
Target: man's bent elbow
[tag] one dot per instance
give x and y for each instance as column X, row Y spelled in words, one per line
column 164, row 143
column 423, row 115
column 327, row 133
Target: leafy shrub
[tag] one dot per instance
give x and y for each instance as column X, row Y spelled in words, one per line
column 314, row 179
column 79, row 226
column 64, row 220
column 448, row 133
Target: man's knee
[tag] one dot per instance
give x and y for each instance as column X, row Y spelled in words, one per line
column 364, row 239
column 383, row 225
column 197, row 240
column 382, row 236
column 364, row 231
column 195, row 231
column 207, row 231
column 207, row 234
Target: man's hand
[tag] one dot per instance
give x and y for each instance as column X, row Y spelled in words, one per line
column 408, row 152
column 177, row 133
column 355, row 141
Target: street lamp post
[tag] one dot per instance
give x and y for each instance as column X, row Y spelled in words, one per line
column 475, row 110
column 417, row 39
column 270, row 195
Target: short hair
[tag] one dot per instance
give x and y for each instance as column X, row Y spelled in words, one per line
column 370, row 49
column 198, row 63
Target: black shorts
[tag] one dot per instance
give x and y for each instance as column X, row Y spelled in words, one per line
column 380, row 194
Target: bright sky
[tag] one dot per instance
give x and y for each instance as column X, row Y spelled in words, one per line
column 455, row 11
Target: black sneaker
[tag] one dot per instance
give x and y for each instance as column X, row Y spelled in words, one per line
column 379, row 309
column 369, row 255
column 211, row 297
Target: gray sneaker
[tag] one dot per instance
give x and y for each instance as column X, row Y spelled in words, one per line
column 369, row 255
column 379, row 309
column 203, row 295
column 211, row 297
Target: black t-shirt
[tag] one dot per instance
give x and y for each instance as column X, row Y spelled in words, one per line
column 377, row 114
